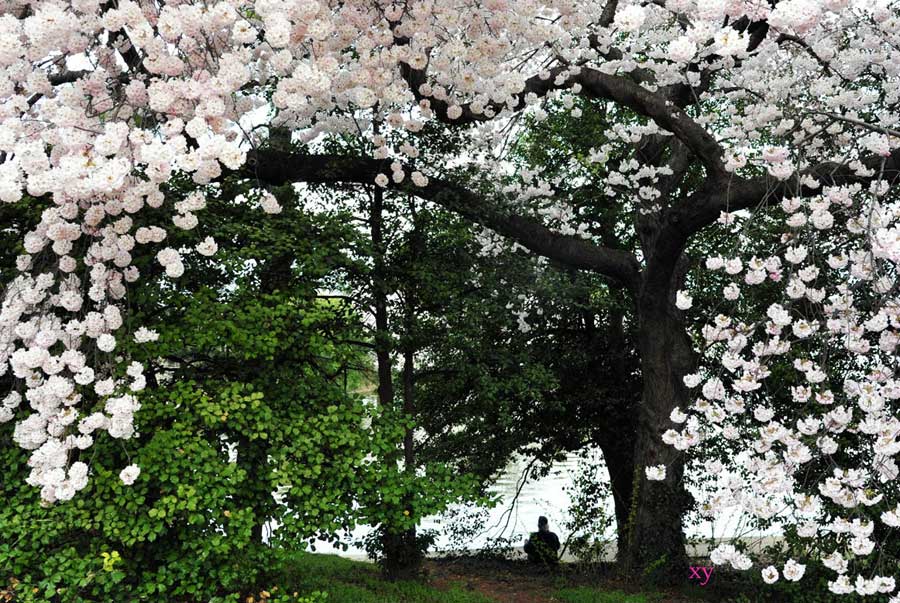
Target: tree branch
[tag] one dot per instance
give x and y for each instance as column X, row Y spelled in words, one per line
column 662, row 111
column 594, row 84
column 742, row 193
column 279, row 167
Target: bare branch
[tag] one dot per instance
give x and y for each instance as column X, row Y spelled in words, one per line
column 662, row 111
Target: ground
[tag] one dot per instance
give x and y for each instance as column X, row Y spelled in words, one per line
column 520, row 582
column 466, row 580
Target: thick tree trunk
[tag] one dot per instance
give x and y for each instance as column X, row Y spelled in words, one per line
column 617, row 442
column 619, row 459
column 655, row 544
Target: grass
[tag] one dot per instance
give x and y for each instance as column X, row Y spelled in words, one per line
column 587, row 594
column 348, row 581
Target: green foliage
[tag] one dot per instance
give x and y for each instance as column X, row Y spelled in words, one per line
column 159, row 536
column 588, row 521
column 15, row 220
column 566, row 376
column 245, row 397
column 251, row 390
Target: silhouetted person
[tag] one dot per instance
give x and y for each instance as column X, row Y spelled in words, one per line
column 542, row 545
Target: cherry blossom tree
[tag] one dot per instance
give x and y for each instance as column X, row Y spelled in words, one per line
column 740, row 106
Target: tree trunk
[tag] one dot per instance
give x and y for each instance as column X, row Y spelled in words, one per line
column 380, row 303
column 402, row 558
column 615, row 435
column 617, row 443
column 655, row 544
column 619, row 459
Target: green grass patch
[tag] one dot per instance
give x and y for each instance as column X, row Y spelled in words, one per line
column 348, row 581
column 586, row 594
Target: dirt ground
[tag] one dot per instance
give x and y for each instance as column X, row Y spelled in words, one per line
column 518, row 582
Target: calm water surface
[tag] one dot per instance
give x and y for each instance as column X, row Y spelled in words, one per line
column 515, row 516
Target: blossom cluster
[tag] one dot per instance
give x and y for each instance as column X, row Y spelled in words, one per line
column 836, row 324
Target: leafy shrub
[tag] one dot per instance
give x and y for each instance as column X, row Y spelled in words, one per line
column 244, row 399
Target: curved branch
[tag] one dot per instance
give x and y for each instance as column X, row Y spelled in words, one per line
column 664, row 112
column 594, row 84
column 826, row 65
column 743, row 193
column 536, row 85
column 280, row 167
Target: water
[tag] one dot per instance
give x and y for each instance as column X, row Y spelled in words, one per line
column 523, row 503
column 517, row 515
column 513, row 518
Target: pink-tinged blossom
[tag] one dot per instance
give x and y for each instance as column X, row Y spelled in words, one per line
column 682, row 50
column 793, row 571
column 269, row 203
column 207, row 247
column 630, row 18
column 129, row 474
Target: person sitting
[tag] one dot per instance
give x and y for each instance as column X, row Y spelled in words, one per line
column 542, row 545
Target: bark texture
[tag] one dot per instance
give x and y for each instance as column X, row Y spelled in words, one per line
column 655, row 544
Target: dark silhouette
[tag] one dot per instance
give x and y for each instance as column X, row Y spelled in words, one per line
column 542, row 545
